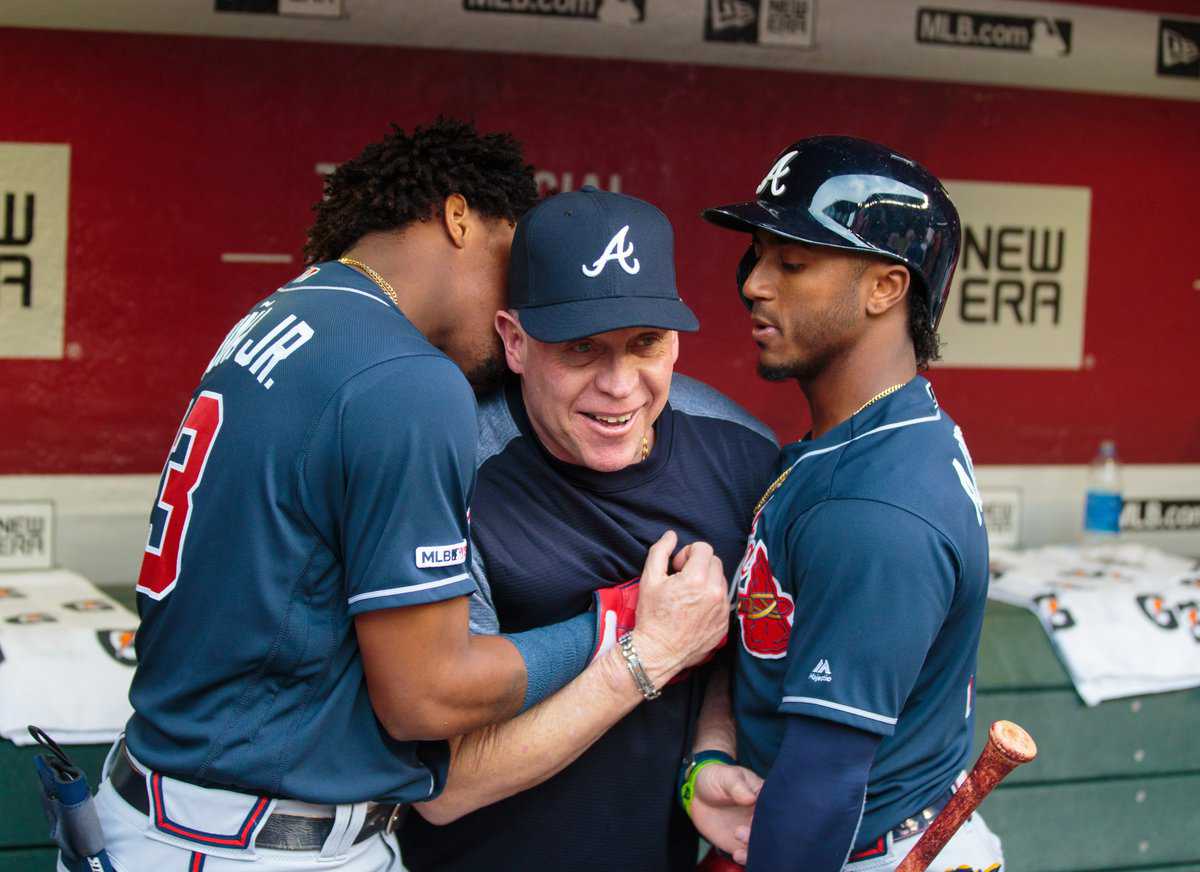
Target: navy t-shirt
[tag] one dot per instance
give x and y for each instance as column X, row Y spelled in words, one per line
column 861, row 597
column 547, row 534
column 323, row 469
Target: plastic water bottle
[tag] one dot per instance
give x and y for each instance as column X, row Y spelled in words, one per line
column 1102, row 513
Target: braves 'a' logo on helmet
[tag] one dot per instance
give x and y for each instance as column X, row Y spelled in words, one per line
column 765, row 613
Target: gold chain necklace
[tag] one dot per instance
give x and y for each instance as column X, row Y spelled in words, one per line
column 879, row 396
column 645, row 449
column 778, row 483
column 373, row 276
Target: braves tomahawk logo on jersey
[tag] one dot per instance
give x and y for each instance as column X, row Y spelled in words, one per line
column 765, row 611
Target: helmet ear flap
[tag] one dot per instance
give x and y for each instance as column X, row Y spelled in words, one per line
column 744, row 268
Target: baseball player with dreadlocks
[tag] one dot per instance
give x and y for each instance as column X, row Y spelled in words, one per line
column 861, row 593
column 304, row 643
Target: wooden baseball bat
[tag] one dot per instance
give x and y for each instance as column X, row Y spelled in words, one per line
column 1008, row 746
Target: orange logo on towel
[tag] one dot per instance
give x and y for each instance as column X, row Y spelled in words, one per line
column 118, row 644
column 32, row 618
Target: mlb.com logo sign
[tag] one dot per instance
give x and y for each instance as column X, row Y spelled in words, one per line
column 434, row 556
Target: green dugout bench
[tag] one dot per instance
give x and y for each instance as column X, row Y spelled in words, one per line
column 1116, row 787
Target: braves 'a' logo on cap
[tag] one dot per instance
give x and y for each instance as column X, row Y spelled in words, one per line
column 765, row 613
column 620, row 251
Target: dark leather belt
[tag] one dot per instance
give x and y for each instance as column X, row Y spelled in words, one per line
column 280, row 832
column 906, row 829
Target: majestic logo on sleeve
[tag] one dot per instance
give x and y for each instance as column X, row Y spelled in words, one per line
column 821, row 672
column 620, row 251
column 764, row 611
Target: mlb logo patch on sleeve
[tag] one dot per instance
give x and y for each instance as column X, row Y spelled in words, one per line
column 434, row 556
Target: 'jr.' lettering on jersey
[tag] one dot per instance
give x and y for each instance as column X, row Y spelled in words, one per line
column 262, row 355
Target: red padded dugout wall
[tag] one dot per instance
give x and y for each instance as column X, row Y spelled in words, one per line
column 184, row 148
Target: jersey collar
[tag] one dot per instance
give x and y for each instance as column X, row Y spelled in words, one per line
column 912, row 402
column 340, row 274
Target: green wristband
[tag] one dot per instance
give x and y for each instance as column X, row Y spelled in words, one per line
column 687, row 775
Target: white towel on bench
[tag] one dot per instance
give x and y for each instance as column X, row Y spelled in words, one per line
column 1124, row 618
column 66, row 658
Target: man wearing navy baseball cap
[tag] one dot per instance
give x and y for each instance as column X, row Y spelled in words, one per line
column 592, row 452
column 566, row 286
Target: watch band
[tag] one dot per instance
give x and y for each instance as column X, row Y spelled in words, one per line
column 640, row 678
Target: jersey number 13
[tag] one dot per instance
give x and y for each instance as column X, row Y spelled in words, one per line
column 173, row 506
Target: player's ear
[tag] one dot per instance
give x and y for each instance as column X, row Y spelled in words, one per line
column 456, row 214
column 516, row 342
column 887, row 286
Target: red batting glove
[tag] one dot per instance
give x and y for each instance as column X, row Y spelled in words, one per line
column 616, row 615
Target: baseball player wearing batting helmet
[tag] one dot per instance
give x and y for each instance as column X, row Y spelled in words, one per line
column 304, row 643
column 861, row 592
column 586, row 458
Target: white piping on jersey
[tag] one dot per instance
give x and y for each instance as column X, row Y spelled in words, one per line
column 862, row 713
column 893, row 426
column 861, row 811
column 366, row 294
column 412, row 588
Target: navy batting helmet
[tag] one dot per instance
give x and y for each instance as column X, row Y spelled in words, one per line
column 840, row 192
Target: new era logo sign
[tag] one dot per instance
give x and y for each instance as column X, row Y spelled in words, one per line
column 1179, row 48
column 821, row 672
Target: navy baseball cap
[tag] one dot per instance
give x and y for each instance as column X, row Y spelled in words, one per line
column 590, row 261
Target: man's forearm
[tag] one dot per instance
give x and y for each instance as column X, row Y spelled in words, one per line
column 428, row 678
column 500, row 760
column 715, row 730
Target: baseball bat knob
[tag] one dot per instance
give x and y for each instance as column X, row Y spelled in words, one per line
column 1012, row 742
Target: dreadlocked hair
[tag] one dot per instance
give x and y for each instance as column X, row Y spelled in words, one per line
column 927, row 345
column 404, row 178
